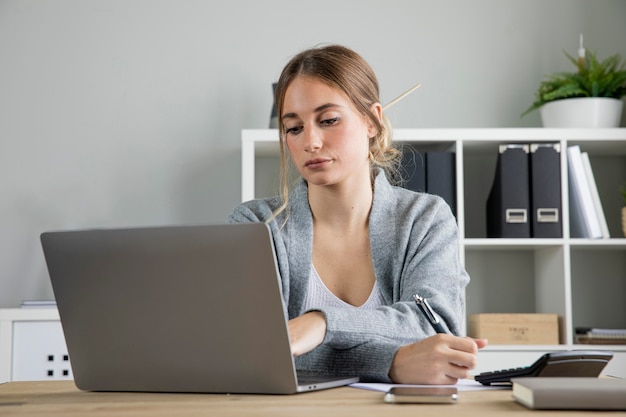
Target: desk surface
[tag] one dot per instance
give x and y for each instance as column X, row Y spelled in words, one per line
column 62, row 398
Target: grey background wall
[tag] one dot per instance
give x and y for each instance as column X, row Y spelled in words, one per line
column 129, row 112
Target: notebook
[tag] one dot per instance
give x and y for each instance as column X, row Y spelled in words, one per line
column 570, row 393
column 174, row 309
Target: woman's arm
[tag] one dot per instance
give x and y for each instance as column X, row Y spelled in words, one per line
column 439, row 359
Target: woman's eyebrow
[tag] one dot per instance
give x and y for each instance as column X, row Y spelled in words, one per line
column 318, row 109
column 326, row 106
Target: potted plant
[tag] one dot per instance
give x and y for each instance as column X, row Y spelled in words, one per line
column 588, row 97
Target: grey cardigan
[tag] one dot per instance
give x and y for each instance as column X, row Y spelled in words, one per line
column 415, row 250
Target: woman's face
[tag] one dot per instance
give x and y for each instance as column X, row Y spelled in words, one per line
column 328, row 139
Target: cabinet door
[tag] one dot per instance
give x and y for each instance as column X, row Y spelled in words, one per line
column 39, row 351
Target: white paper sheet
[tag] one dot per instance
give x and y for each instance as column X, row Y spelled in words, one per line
column 462, row 385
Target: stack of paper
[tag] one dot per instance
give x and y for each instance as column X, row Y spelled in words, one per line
column 596, row 336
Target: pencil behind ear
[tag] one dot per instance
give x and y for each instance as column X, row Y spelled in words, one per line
column 401, row 96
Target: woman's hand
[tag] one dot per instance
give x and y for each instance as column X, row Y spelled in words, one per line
column 440, row 359
column 306, row 332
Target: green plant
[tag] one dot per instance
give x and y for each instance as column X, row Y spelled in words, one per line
column 593, row 79
column 623, row 191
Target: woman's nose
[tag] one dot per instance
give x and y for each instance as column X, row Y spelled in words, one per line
column 313, row 140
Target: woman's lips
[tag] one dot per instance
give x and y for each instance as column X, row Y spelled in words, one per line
column 316, row 163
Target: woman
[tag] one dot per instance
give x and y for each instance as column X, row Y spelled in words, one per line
column 353, row 249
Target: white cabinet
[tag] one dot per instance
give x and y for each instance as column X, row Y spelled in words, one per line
column 32, row 345
column 583, row 281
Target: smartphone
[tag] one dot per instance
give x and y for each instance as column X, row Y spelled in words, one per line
column 417, row 395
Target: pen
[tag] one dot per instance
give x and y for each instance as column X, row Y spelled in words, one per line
column 423, row 305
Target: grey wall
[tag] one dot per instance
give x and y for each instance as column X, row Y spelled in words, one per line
column 128, row 112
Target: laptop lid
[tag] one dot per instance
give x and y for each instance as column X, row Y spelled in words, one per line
column 173, row 309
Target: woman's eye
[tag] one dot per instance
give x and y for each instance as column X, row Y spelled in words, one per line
column 329, row 122
column 293, row 130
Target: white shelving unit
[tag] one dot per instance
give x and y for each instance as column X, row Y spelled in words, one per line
column 581, row 280
column 32, row 346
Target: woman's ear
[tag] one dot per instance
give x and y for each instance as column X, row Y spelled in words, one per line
column 377, row 111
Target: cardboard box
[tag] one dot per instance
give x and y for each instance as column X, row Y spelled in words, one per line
column 515, row 329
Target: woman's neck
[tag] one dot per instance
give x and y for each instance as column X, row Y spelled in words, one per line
column 343, row 206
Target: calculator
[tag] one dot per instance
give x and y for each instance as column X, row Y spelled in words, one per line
column 578, row 363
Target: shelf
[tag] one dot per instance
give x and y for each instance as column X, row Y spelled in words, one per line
column 543, row 348
column 514, row 244
column 597, row 141
column 583, row 281
column 601, row 244
column 484, row 135
column 25, row 314
column 506, row 244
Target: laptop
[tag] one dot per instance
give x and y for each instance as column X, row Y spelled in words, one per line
column 174, row 309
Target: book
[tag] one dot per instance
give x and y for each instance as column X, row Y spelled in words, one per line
column 570, row 393
column 583, row 216
column 595, row 196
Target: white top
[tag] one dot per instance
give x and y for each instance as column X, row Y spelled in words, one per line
column 319, row 296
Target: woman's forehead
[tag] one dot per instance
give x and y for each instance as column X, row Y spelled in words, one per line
column 309, row 93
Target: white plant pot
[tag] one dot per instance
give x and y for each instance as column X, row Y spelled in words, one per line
column 582, row 112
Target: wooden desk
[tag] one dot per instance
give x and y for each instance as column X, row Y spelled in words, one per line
column 62, row 398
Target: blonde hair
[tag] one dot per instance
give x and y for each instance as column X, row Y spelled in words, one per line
column 343, row 69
